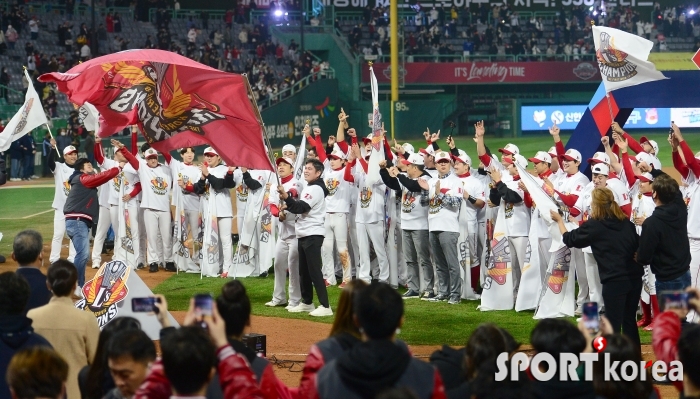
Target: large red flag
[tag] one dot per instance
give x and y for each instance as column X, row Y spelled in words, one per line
column 175, row 101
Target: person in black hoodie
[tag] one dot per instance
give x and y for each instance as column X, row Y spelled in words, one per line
column 614, row 241
column 26, row 251
column 16, row 330
column 378, row 363
column 664, row 244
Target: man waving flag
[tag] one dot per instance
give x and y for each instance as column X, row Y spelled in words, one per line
column 622, row 58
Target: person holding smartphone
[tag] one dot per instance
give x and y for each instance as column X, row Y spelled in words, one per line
column 620, row 274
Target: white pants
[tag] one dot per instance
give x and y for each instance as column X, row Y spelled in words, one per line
column 543, row 245
column 100, row 236
column 579, row 262
column 287, row 257
column 59, row 231
column 595, row 287
column 240, row 215
column 336, row 233
column 518, row 249
column 158, row 223
column 353, row 247
column 694, row 272
column 374, row 233
column 143, row 244
column 226, row 241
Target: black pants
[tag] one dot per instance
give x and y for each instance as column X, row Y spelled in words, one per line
column 310, row 273
column 621, row 299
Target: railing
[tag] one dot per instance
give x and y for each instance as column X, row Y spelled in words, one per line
column 290, row 91
column 483, row 58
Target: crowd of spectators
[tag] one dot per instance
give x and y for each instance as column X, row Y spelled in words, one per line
column 48, row 349
column 499, row 30
column 271, row 67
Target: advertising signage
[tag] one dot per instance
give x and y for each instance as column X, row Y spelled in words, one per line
column 488, row 72
column 541, row 117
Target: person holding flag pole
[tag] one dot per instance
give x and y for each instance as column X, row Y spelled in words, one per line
column 30, row 116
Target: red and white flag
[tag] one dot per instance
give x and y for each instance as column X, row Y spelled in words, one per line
column 176, row 102
column 29, row 116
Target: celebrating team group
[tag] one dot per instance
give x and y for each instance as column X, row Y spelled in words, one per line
column 427, row 220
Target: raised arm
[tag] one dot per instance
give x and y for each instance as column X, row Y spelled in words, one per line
column 387, row 179
column 554, row 131
column 617, row 166
column 249, row 181
column 98, row 179
column 127, row 154
column 690, row 160
column 480, row 147
column 631, row 142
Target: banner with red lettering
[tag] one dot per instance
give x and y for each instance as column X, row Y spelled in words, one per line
column 175, row 101
column 488, row 72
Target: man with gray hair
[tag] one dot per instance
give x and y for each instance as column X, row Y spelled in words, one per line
column 26, row 251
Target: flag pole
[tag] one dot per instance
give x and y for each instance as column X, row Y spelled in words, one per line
column 607, row 93
column 262, row 125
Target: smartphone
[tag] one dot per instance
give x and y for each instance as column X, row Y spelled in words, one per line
column 203, row 305
column 144, row 305
column 591, row 319
column 675, row 299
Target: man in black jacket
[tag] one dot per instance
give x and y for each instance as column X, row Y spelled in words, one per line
column 664, row 244
column 82, row 210
column 26, row 251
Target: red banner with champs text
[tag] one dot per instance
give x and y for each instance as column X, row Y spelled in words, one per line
column 488, row 72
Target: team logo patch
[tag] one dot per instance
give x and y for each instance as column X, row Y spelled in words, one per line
column 509, row 210
column 332, row 186
column 23, row 119
column 242, row 193
column 365, row 197
column 164, row 110
column 613, row 62
column 105, row 291
column 127, row 241
column 66, row 187
column 434, row 205
column 408, row 202
column 562, row 261
column 266, row 218
column 159, row 185
column 498, row 266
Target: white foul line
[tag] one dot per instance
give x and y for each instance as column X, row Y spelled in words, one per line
column 29, row 216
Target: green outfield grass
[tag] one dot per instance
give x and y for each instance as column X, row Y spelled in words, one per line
column 17, row 205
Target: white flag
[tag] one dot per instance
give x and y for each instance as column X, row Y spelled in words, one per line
column 89, row 117
column 300, row 161
column 622, row 58
column 26, row 119
column 377, row 154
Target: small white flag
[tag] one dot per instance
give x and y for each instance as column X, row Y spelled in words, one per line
column 377, row 154
column 89, row 117
column 300, row 161
column 29, row 116
column 622, row 58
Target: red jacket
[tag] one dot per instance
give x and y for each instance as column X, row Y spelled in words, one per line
column 664, row 340
column 235, row 376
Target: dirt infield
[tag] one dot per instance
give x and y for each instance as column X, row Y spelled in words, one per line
column 288, row 340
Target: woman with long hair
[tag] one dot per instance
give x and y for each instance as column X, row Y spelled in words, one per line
column 72, row 332
column 95, row 380
column 614, row 241
column 344, row 335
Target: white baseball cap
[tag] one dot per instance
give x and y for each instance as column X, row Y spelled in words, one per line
column 510, row 149
column 646, row 177
column 572, row 155
column 69, row 150
column 552, row 152
column 338, row 153
column 517, row 160
column 210, row 150
column 599, row 157
column 289, row 147
column 644, row 157
column 442, row 156
column 600, row 169
column 413, row 159
column 463, row 158
column 429, row 150
column 285, row 160
column 652, row 143
column 150, row 153
column 541, row 156
column 408, row 147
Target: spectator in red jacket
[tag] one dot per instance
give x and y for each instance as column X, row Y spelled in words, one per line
column 378, row 363
column 674, row 339
column 344, row 335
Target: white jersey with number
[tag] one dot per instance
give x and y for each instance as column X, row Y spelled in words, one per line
column 61, row 174
column 156, row 185
column 312, row 222
column 286, row 229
